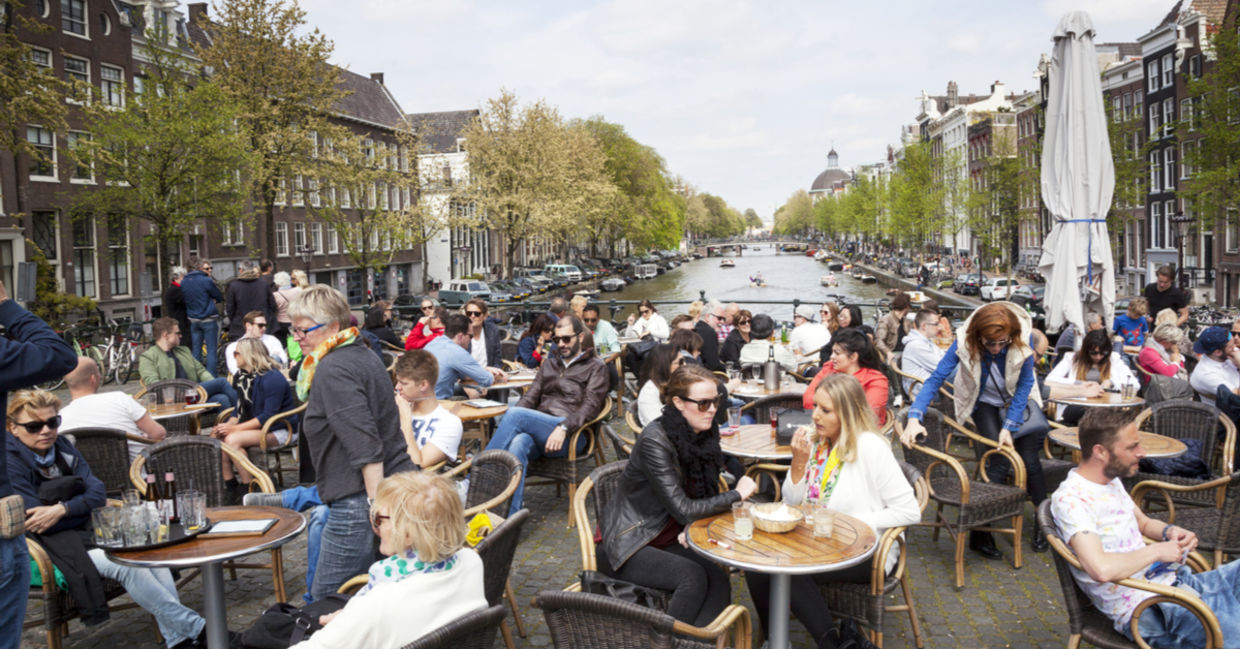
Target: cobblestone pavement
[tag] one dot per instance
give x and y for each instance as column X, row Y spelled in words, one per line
column 998, row 607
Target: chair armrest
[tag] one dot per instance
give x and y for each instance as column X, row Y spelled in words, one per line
column 47, row 572
column 226, row 413
column 1018, row 466
column 1229, row 443
column 878, row 573
column 1179, row 597
column 456, row 471
column 1139, row 492
column 276, row 418
column 961, row 429
column 943, row 459
column 353, row 584
column 734, row 617
column 585, row 532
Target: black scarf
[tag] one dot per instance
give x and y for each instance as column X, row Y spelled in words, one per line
column 700, row 456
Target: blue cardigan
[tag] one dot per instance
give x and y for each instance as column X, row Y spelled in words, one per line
column 271, row 395
column 1015, row 415
column 26, row 479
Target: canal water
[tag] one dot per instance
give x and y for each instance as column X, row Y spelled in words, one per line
column 788, row 276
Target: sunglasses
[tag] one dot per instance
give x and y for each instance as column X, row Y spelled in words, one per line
column 35, row 427
column 741, row 323
column 298, row 331
column 703, row 404
column 991, row 344
column 643, row 311
column 376, row 520
column 564, row 340
column 1097, row 352
column 260, row 325
column 589, row 320
column 428, row 308
column 474, row 314
column 1233, row 334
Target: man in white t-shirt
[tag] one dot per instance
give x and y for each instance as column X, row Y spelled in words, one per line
column 1218, row 355
column 432, row 433
column 256, row 327
column 93, row 409
column 808, row 337
column 1105, row 528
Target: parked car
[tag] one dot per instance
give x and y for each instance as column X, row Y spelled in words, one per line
column 966, row 284
column 998, row 288
column 460, row 291
column 1030, row 297
column 529, row 285
column 515, row 290
column 535, row 275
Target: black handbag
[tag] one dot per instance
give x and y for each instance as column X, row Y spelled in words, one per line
column 284, row 625
column 595, row 582
column 1034, row 421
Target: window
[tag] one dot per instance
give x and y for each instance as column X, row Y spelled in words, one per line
column 73, row 16
column 1154, row 122
column 1169, row 175
column 83, row 167
column 281, row 239
column 382, row 190
column 43, row 160
column 314, row 191
column 41, row 57
column 1117, row 107
column 281, row 191
column 1194, row 66
column 299, row 197
column 1185, row 159
column 77, row 70
column 1136, row 107
column 368, row 151
column 1152, row 75
column 1168, row 71
column 118, row 255
column 1155, row 172
column 333, row 241
column 1186, row 114
column 1168, row 117
column 316, row 237
column 105, row 24
column 1157, row 228
column 112, row 85
column 84, row 256
column 1127, row 105
column 40, row 8
column 299, row 236
column 1233, row 230
column 346, row 200
column 46, row 234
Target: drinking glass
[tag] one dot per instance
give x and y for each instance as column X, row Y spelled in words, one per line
column 135, row 526
column 112, row 521
column 192, row 505
column 130, row 497
column 734, row 418
column 742, row 521
column 824, row 521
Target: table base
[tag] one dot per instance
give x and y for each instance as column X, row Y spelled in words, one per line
column 780, row 611
column 213, row 608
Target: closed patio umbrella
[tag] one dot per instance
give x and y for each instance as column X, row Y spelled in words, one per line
column 1078, row 179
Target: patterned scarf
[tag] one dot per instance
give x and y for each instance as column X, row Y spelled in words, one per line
column 823, row 474
column 397, row 567
column 305, row 375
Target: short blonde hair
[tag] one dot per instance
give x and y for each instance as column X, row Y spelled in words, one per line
column 29, row 400
column 426, row 514
column 300, row 277
column 255, row 355
column 1168, row 333
column 854, row 412
column 1138, row 306
column 695, row 308
column 322, row 304
column 1166, row 316
column 578, row 304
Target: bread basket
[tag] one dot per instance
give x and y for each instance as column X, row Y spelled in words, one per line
column 763, row 521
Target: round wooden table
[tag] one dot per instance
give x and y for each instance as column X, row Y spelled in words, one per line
column 797, row 552
column 163, row 411
column 1105, row 400
column 1155, row 445
column 470, row 413
column 754, row 441
column 751, row 391
column 210, row 553
column 515, row 381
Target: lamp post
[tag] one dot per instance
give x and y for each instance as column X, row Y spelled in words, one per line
column 307, row 253
column 1181, row 225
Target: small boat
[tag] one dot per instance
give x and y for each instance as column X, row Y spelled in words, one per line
column 868, row 279
column 612, row 284
column 835, row 265
column 821, row 255
column 646, row 271
column 917, row 297
column 586, row 292
column 829, row 280
column 727, row 263
column 756, row 281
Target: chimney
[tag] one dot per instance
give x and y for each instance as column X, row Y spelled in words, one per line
column 377, row 77
column 997, row 89
column 953, row 95
column 197, row 12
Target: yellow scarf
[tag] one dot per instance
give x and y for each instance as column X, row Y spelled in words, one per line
column 305, row 375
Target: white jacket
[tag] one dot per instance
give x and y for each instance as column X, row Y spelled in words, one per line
column 1064, row 373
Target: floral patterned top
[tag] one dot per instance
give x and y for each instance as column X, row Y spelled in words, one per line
column 1080, row 505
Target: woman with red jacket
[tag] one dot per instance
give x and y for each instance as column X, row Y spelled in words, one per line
column 854, row 354
column 428, row 327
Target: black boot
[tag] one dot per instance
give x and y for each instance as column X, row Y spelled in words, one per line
column 233, row 492
column 984, row 544
column 830, row 639
column 1038, row 542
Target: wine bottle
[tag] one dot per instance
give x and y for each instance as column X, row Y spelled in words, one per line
column 152, row 489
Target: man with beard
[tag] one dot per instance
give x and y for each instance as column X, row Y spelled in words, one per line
column 569, row 390
column 1106, row 529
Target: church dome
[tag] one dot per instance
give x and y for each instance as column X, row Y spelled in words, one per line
column 827, row 180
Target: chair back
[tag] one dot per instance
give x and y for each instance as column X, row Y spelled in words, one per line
column 937, row 436
column 587, row 621
column 1184, row 419
column 492, row 474
column 173, row 390
column 195, row 461
column 761, row 408
column 106, row 451
column 474, row 630
column 590, row 502
column 1075, row 600
column 508, row 350
column 921, row 488
column 619, row 441
column 496, row 551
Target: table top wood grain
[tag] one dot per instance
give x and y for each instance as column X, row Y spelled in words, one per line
column 754, row 441
column 171, row 410
column 1105, row 400
column 796, row 552
column 1155, row 445
column 470, row 413
column 207, row 549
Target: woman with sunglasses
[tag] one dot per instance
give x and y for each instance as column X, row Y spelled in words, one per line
column 379, row 322
column 429, row 325
column 484, row 335
column 853, row 354
column 994, row 381
column 671, row 480
column 737, row 338
column 849, row 317
column 1096, row 362
column 262, row 393
column 421, row 527
column 647, row 322
column 536, row 341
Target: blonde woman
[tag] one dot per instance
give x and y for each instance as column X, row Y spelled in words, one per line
column 262, row 393
column 421, row 527
column 1161, row 353
column 842, row 463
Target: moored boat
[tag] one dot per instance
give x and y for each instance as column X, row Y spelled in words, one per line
column 727, row 263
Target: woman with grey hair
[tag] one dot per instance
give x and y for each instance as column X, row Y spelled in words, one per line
column 174, row 300
column 351, row 428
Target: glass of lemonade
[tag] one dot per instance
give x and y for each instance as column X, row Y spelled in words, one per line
column 742, row 521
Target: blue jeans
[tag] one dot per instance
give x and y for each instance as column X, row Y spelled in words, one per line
column 14, row 588
column 207, row 331
column 524, row 432
column 346, row 547
column 155, row 591
column 298, row 499
column 1172, row 627
column 220, row 391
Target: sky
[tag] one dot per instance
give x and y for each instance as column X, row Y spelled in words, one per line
column 742, row 98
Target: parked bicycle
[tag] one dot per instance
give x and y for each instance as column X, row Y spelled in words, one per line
column 79, row 338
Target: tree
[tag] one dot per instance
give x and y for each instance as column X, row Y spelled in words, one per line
column 172, row 156
column 796, row 216
column 1130, row 155
column 752, row 220
column 916, row 199
column 276, row 70
column 1214, row 161
column 645, row 210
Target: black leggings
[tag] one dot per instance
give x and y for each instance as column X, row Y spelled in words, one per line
column 700, row 588
column 806, row 599
column 989, row 422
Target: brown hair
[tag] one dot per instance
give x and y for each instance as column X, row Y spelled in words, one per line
column 901, row 301
column 162, row 326
column 686, row 339
column 992, row 322
column 1101, row 425
column 832, row 321
column 684, row 378
column 478, row 302
column 252, row 316
column 417, row 365
column 1098, row 339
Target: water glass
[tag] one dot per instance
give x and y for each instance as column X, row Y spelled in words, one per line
column 134, row 527
column 130, row 497
column 105, row 533
column 192, row 505
column 1129, row 391
column 824, row 521
column 742, row 521
column 734, row 418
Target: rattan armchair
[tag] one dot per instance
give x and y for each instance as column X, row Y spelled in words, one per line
column 268, row 457
column 589, row 503
column 977, row 504
column 761, row 409
column 585, row 621
column 620, row 441
column 866, row 603
column 493, row 478
column 1185, row 419
column 1089, row 624
column 569, row 470
column 57, row 607
column 174, row 391
column 106, row 450
column 497, row 550
column 474, row 630
column 1217, row 527
column 197, row 462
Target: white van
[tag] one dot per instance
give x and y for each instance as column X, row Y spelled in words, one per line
column 570, row 271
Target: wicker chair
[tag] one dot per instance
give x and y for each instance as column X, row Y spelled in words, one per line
column 1217, row 527
column 58, row 608
column 493, row 478
column 866, row 603
column 174, row 391
column 267, row 457
column 977, row 503
column 1185, row 419
column 565, row 470
column 620, row 441
column 1087, row 623
column 496, row 551
column 197, row 461
column 1054, row 469
column 474, row 630
column 106, row 450
column 603, row 484
column 586, row 621
column 508, row 349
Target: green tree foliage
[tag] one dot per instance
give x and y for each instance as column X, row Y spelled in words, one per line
column 995, row 197
column 645, row 209
column 752, row 220
column 917, row 211
column 796, row 216
column 52, row 306
column 1214, row 188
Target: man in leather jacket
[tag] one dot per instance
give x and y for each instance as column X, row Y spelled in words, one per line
column 568, row 391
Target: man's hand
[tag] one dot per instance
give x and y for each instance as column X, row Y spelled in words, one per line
column 556, row 441
column 498, row 374
column 746, row 487
column 41, row 519
column 1185, row 540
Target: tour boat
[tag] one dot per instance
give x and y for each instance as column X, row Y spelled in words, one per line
column 727, row 263
column 829, row 280
column 612, row 284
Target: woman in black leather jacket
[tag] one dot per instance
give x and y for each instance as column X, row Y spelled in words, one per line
column 671, row 480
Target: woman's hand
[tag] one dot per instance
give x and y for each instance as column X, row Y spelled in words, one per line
column 324, row 619
column 1107, row 385
column 746, row 487
column 40, row 519
column 1005, row 437
column 422, row 321
column 800, row 454
column 912, row 431
column 680, row 538
column 1089, row 390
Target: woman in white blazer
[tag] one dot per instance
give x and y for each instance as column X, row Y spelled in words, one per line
column 1096, row 362
column 843, row 462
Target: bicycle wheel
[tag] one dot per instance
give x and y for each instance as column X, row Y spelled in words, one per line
column 124, row 364
column 54, row 384
column 98, row 353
